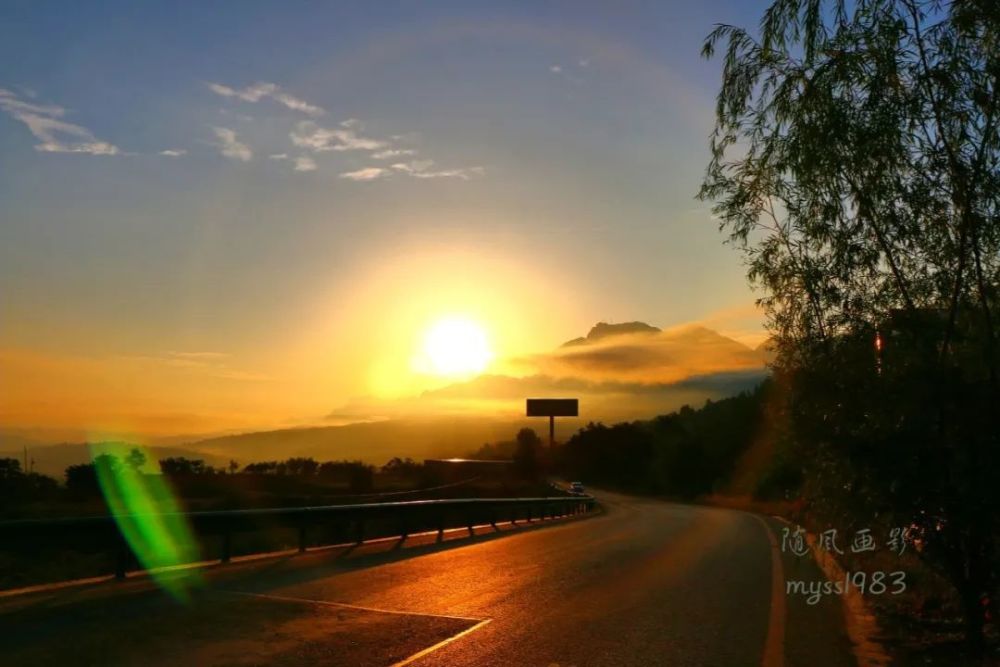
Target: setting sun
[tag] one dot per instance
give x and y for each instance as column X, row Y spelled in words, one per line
column 456, row 346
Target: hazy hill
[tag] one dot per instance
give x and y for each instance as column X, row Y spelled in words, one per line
column 446, row 436
column 767, row 351
column 620, row 372
column 375, row 442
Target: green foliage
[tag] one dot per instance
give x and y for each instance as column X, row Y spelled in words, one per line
column 527, row 455
column 856, row 164
column 405, row 468
column 360, row 476
column 179, row 466
column 781, row 480
column 81, row 479
column 16, row 486
column 495, row 451
column 10, row 468
column 135, row 459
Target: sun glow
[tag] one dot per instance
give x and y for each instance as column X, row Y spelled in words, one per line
column 455, row 346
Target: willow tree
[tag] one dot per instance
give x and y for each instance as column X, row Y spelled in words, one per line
column 855, row 162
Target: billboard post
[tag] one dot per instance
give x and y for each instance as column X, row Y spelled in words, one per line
column 552, row 408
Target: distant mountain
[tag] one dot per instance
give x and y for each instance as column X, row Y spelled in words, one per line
column 376, row 442
column 619, row 372
column 637, row 352
column 603, row 330
column 497, row 417
column 767, row 350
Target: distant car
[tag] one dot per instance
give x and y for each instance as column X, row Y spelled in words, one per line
column 576, row 488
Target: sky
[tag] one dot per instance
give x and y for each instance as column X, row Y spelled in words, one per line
column 231, row 215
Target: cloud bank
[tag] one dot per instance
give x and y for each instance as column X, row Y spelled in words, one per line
column 618, row 371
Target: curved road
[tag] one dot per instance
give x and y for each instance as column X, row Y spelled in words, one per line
column 643, row 583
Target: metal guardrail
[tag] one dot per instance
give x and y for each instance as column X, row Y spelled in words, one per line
column 362, row 520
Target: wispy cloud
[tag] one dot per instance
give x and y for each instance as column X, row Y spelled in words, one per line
column 413, row 167
column 209, row 364
column 422, row 169
column 465, row 173
column 305, row 163
column 555, row 69
column 261, row 90
column 55, row 135
column 366, row 174
column 348, row 135
column 173, row 152
column 393, row 152
column 195, row 356
column 311, row 136
column 299, row 163
column 230, row 147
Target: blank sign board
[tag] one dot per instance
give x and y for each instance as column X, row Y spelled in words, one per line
column 553, row 407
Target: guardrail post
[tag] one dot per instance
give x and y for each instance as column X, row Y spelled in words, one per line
column 359, row 530
column 441, row 525
column 227, row 546
column 302, row 538
column 122, row 554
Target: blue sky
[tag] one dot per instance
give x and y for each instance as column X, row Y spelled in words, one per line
column 218, row 178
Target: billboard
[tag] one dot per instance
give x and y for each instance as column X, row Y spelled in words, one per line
column 553, row 407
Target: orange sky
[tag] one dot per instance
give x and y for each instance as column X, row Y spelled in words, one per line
column 216, row 236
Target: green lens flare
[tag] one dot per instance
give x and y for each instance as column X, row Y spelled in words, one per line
column 149, row 517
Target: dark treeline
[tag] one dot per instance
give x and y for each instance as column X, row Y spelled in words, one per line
column 683, row 454
column 195, row 477
column 855, row 163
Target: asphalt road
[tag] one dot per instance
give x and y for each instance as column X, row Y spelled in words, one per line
column 643, row 583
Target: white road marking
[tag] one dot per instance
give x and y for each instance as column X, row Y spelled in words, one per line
column 479, row 622
column 430, row 649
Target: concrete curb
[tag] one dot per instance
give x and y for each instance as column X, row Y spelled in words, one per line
column 859, row 620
